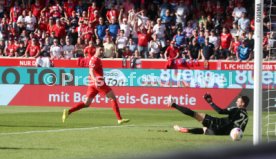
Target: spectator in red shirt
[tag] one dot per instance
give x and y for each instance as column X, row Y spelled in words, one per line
column 88, row 32
column 50, row 26
column 127, row 53
column 234, row 47
column 92, row 9
column 9, row 48
column 89, row 50
column 33, row 50
column 143, row 40
column 56, row 10
column 36, row 9
column 84, row 17
column 225, row 42
column 15, row 46
column 43, row 22
column 252, row 24
column 94, row 18
column 15, row 10
column 59, row 30
column 112, row 13
column 171, row 54
column 69, row 7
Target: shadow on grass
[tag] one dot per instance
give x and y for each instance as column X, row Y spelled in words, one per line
column 25, row 148
column 32, row 126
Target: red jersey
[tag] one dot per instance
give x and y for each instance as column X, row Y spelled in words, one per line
column 59, row 31
column 91, row 10
column 50, row 28
column 55, row 11
column 15, row 46
column 69, row 8
column 88, row 33
column 171, row 52
column 14, row 9
column 265, row 40
column 235, row 46
column 95, row 65
column 33, row 50
column 252, row 24
column 36, row 9
column 143, row 39
column 112, row 13
column 225, row 40
column 94, row 19
column 89, row 50
column 9, row 49
column 43, row 25
column 127, row 54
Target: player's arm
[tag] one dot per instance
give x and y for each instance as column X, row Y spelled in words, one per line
column 208, row 99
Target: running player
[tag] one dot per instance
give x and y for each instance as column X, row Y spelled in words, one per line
column 96, row 85
column 237, row 117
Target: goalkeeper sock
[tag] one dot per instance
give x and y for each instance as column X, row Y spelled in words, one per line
column 184, row 110
column 116, row 109
column 196, row 131
column 77, row 107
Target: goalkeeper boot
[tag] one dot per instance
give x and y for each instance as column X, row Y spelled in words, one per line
column 122, row 121
column 65, row 115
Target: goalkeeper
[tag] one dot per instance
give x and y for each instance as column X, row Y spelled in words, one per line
column 237, row 117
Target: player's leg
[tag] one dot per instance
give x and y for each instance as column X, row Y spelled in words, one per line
column 198, row 116
column 91, row 93
column 189, row 130
column 115, row 106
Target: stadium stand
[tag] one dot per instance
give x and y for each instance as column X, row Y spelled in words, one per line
column 53, row 29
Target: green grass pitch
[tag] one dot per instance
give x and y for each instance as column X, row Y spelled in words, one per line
column 37, row 132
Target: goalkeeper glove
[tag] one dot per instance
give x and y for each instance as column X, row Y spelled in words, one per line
column 208, row 98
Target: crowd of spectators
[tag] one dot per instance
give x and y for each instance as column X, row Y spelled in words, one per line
column 187, row 29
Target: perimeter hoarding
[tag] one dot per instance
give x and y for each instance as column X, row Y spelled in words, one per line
column 128, row 97
column 137, row 77
column 135, row 88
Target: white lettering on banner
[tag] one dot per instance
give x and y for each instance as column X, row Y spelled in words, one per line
column 78, row 97
column 59, row 97
column 246, row 66
column 144, row 99
column 126, row 99
column 27, row 63
column 246, row 78
column 267, row 67
column 232, row 66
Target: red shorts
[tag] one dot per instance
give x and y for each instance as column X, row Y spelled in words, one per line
column 92, row 90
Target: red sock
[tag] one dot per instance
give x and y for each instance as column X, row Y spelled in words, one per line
column 76, row 107
column 116, row 109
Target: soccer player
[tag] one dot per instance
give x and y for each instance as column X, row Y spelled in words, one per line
column 237, row 117
column 96, row 85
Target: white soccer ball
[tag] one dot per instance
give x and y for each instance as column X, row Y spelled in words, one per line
column 236, row 134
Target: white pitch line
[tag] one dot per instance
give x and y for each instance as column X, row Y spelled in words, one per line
column 62, row 130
